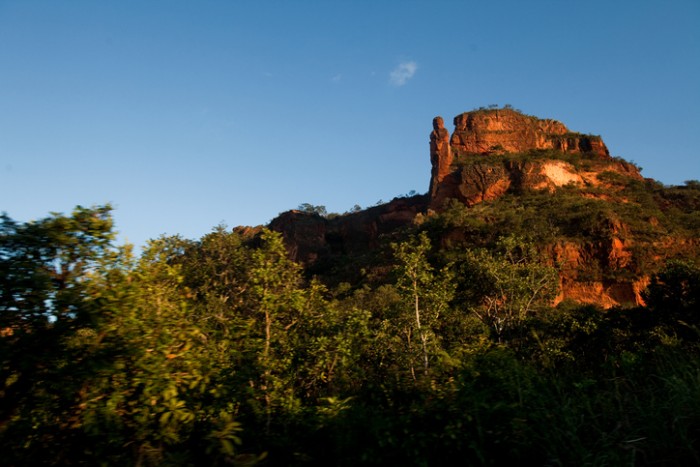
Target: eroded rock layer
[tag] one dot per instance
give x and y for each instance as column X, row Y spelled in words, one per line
column 505, row 130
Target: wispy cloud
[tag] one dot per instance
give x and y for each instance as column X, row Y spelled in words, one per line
column 402, row 73
column 337, row 78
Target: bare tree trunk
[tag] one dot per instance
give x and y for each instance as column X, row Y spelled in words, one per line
column 266, row 382
column 423, row 337
column 410, row 354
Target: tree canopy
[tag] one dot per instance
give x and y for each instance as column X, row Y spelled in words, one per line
column 224, row 351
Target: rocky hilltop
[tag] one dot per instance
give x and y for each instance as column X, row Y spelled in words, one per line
column 594, row 217
column 500, row 131
column 464, row 172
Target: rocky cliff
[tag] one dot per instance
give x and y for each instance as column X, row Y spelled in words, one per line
column 499, row 131
column 482, row 179
column 473, row 176
column 313, row 239
column 612, row 228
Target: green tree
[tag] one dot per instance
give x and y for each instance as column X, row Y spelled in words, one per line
column 102, row 360
column 425, row 292
column 44, row 263
column 276, row 299
column 674, row 295
column 45, row 268
column 215, row 269
column 330, row 339
column 310, row 208
column 506, row 285
column 156, row 392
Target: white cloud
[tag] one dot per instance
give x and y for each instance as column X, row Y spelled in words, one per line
column 402, row 73
column 337, row 78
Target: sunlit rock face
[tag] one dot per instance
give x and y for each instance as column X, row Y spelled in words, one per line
column 440, row 153
column 472, row 176
column 508, row 131
column 488, row 178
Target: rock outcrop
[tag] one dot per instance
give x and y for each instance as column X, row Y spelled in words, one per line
column 440, row 154
column 496, row 153
column 486, row 179
column 312, row 238
column 506, row 130
column 473, row 177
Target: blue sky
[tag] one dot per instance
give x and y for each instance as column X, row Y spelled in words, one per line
column 185, row 115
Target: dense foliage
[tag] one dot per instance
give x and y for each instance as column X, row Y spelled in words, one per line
column 221, row 351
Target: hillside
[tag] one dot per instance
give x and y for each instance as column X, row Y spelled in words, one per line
column 592, row 216
column 417, row 332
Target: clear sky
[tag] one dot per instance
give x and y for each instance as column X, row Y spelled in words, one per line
column 185, row 115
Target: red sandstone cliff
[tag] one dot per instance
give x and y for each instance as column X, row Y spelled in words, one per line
column 484, row 179
column 493, row 153
column 505, row 130
column 311, row 237
column 465, row 172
